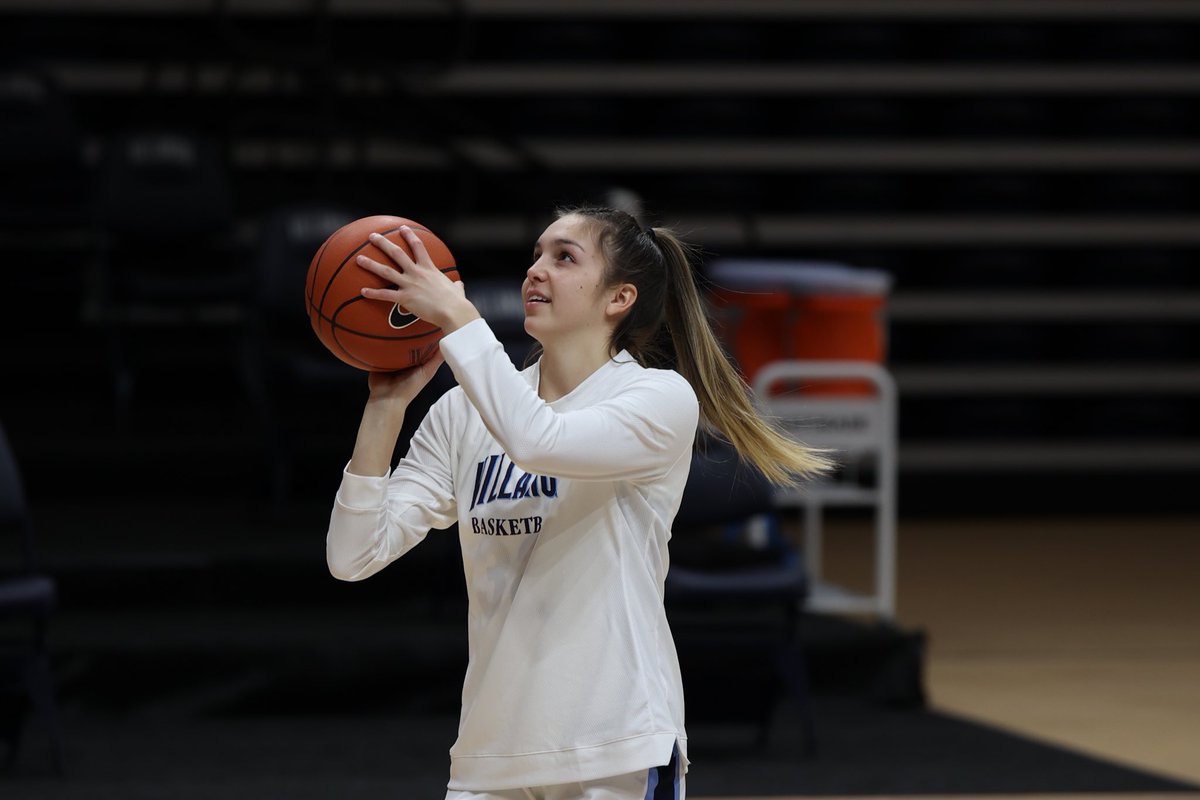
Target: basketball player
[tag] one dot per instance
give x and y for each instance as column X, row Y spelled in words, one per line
column 564, row 479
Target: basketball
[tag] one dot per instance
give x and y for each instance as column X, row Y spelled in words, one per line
column 366, row 333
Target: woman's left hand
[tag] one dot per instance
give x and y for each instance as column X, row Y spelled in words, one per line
column 421, row 288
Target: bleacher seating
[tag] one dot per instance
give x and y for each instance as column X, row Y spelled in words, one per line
column 943, row 145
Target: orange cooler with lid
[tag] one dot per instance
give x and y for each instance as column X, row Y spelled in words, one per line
column 770, row 310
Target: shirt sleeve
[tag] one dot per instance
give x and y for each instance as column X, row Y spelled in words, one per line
column 375, row 520
column 636, row 435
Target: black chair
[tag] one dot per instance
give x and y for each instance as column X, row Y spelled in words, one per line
column 995, row 43
column 995, row 117
column 27, row 601
column 168, row 262
column 286, row 370
column 735, row 594
column 41, row 159
column 865, row 117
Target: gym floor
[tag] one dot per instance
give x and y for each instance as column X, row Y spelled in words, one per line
column 1081, row 632
column 1077, row 631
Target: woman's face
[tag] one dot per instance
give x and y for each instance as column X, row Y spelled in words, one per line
column 563, row 289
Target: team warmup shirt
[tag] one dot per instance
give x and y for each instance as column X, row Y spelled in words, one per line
column 564, row 510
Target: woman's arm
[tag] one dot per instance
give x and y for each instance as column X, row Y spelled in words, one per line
column 636, row 435
column 377, row 518
column 390, row 395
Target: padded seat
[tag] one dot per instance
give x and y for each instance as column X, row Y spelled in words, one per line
column 28, row 598
column 27, row 594
column 732, row 597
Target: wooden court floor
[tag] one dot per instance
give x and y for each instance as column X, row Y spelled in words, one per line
column 1082, row 632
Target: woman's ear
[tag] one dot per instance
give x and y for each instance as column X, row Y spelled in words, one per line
column 621, row 300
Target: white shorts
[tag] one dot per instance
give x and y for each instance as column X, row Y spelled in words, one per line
column 658, row 783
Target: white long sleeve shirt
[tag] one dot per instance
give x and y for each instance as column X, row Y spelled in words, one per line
column 564, row 510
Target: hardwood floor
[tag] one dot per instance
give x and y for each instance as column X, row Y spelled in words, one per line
column 1082, row 632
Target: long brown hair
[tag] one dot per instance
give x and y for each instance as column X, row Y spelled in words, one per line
column 668, row 325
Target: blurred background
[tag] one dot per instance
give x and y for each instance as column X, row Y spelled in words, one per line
column 990, row 207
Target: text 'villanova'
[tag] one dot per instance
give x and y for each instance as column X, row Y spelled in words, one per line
column 495, row 480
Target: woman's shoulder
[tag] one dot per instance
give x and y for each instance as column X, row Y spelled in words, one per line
column 454, row 400
column 667, row 381
column 633, row 369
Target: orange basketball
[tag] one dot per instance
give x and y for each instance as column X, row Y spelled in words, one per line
column 365, row 333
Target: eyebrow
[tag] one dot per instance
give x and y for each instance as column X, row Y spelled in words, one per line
column 565, row 241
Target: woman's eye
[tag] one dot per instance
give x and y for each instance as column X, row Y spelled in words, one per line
column 565, row 256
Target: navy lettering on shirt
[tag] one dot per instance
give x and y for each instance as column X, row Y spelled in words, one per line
column 506, row 526
column 498, row 478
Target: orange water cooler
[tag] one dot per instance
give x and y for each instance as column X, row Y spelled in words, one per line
column 772, row 310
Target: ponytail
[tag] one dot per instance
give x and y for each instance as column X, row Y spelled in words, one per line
column 726, row 404
column 668, row 326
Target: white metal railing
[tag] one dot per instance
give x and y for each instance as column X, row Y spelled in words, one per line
column 860, row 428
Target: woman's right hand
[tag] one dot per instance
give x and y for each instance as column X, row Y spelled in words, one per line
column 391, row 394
column 403, row 386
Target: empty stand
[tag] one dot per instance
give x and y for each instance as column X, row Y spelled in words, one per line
column 1026, row 171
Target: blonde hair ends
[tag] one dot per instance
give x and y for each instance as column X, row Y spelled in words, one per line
column 726, row 400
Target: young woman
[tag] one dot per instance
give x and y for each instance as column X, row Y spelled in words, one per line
column 564, row 479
